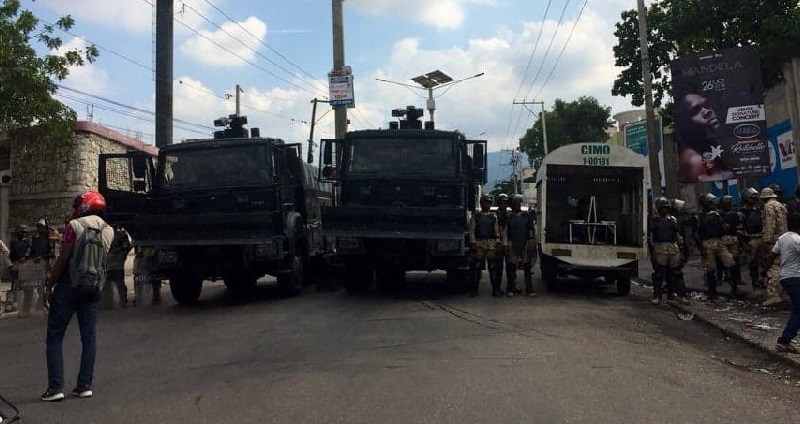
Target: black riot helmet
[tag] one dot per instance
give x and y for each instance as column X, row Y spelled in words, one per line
column 661, row 203
column 487, row 198
column 516, row 202
column 708, row 201
column 777, row 190
column 726, row 202
column 502, row 199
column 750, row 196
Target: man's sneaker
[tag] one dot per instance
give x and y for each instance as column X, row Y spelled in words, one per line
column 82, row 392
column 53, row 395
column 772, row 301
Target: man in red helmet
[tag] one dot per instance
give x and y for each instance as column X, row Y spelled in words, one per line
column 71, row 290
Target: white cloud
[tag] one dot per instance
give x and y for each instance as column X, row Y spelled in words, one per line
column 132, row 15
column 89, row 77
column 441, row 14
column 236, row 41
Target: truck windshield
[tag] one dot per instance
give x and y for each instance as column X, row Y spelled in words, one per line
column 218, row 167
column 426, row 158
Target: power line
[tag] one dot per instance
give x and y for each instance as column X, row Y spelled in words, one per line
column 561, row 53
column 535, row 47
column 261, row 41
column 205, row 18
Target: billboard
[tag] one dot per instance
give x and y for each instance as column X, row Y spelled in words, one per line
column 720, row 123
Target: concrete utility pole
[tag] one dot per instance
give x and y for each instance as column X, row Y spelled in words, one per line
column 238, row 100
column 647, row 78
column 310, row 157
column 165, row 9
column 339, row 112
column 544, row 121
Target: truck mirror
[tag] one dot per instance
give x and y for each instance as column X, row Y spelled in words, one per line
column 139, row 165
column 478, row 156
column 327, row 154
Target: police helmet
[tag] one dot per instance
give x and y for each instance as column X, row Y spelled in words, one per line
column 661, row 202
column 750, row 194
column 516, row 201
column 487, row 198
column 768, row 193
column 708, row 201
column 677, row 204
column 776, row 189
column 725, row 202
column 502, row 198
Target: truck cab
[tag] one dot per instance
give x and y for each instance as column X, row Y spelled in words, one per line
column 404, row 195
column 592, row 213
column 234, row 207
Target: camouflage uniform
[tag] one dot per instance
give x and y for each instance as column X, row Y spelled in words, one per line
column 731, row 226
column 484, row 237
column 774, row 224
column 708, row 235
column 751, row 234
column 665, row 243
column 520, row 248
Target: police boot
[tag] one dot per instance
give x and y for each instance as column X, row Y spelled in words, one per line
column 754, row 277
column 494, row 279
column 658, row 282
column 529, row 291
column 711, row 283
column 736, row 279
column 511, row 279
column 676, row 275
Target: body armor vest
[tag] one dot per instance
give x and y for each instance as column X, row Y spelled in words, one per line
column 18, row 250
column 520, row 229
column 665, row 230
column 731, row 221
column 484, row 225
column 502, row 217
column 753, row 223
column 710, row 226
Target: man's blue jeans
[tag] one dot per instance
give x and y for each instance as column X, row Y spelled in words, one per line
column 64, row 302
column 792, row 287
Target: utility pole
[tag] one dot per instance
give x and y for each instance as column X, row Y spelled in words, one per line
column 544, row 120
column 238, row 100
column 339, row 112
column 165, row 10
column 647, row 78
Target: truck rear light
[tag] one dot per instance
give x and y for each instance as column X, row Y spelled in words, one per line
column 562, row 252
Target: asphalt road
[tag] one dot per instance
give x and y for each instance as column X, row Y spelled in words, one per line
column 423, row 355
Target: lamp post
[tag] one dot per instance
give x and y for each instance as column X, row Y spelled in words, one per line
column 429, row 82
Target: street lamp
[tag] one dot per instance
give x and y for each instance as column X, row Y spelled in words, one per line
column 432, row 81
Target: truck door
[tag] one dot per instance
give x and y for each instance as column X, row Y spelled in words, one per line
column 125, row 180
column 289, row 175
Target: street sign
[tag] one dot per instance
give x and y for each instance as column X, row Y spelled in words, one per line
column 341, row 90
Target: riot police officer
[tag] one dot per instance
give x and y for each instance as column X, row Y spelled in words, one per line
column 751, row 234
column 502, row 202
column 707, row 233
column 731, row 225
column 774, row 225
column 665, row 244
column 484, row 238
column 520, row 247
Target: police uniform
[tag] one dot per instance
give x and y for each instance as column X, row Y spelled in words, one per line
column 502, row 219
column 708, row 232
column 752, row 229
column 484, row 237
column 774, row 224
column 666, row 247
column 731, row 225
column 519, row 247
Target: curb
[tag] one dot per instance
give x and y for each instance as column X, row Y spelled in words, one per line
column 731, row 331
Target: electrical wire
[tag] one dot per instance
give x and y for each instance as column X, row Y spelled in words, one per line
column 535, row 47
column 561, row 53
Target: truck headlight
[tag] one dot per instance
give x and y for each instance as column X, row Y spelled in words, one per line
column 167, row 257
column 448, row 245
column 349, row 245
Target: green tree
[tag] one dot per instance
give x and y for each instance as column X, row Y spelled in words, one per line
column 28, row 80
column 682, row 27
column 581, row 121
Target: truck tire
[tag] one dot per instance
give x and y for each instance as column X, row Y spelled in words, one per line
column 358, row 279
column 185, row 290
column 291, row 282
column 549, row 274
column 623, row 284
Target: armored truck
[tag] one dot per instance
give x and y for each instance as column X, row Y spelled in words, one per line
column 592, row 214
column 235, row 207
column 403, row 199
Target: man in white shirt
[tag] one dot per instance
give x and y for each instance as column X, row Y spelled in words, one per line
column 788, row 249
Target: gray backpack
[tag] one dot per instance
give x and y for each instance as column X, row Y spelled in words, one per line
column 88, row 266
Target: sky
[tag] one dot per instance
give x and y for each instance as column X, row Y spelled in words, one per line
column 280, row 53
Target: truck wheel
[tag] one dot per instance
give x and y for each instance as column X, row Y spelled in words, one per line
column 623, row 284
column 185, row 290
column 358, row 279
column 291, row 283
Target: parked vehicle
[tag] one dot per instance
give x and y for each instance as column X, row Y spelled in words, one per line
column 234, row 207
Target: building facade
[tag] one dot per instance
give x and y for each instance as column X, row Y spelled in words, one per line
column 36, row 184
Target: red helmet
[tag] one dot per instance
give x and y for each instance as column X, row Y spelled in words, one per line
column 88, row 203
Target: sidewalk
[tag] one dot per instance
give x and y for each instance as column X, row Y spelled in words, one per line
column 745, row 320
